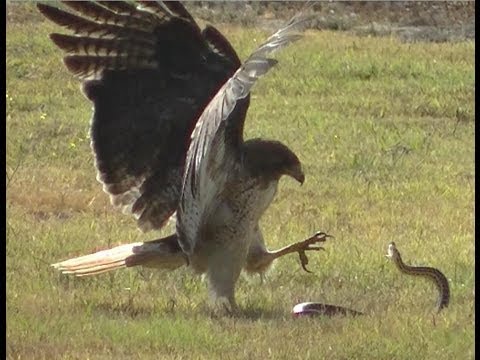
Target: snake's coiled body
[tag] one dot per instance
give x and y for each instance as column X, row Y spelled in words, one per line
column 431, row 273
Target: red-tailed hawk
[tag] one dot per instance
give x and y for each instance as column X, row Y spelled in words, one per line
column 170, row 101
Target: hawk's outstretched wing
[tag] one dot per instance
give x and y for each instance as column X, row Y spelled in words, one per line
column 214, row 150
column 149, row 71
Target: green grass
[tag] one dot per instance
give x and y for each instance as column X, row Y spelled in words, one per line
column 385, row 131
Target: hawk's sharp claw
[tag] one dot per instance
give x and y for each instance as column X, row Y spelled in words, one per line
column 305, row 268
column 321, row 236
column 304, row 261
column 315, row 248
column 309, row 244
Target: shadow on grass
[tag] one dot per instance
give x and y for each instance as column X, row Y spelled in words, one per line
column 259, row 313
column 253, row 313
column 138, row 311
column 133, row 311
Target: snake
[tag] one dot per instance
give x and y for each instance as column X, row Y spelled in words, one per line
column 431, row 273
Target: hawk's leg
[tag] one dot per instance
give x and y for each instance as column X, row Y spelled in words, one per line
column 259, row 258
column 224, row 268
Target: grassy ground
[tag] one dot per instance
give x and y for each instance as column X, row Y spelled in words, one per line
column 385, row 131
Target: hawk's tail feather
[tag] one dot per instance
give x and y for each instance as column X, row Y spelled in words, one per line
column 162, row 253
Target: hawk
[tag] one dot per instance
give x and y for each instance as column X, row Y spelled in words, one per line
column 170, row 101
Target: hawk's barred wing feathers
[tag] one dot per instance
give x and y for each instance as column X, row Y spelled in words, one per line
column 149, row 71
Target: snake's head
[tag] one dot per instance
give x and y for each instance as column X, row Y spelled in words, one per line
column 392, row 251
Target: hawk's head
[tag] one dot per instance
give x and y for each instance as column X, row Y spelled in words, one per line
column 271, row 159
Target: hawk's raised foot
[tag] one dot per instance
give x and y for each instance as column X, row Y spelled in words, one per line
column 308, row 244
column 301, row 247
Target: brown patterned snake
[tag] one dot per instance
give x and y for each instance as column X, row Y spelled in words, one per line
column 428, row 272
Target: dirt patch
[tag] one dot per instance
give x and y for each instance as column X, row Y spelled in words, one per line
column 410, row 20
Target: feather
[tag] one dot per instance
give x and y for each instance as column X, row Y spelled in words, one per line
column 221, row 44
column 101, row 14
column 157, row 7
column 120, row 7
column 90, row 67
column 92, row 46
column 83, row 26
column 178, row 9
column 162, row 253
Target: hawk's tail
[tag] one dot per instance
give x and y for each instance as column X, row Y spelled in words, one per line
column 162, row 253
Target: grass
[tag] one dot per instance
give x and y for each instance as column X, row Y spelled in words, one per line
column 385, row 131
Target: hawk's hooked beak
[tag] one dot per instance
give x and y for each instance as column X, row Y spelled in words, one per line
column 297, row 174
column 300, row 178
